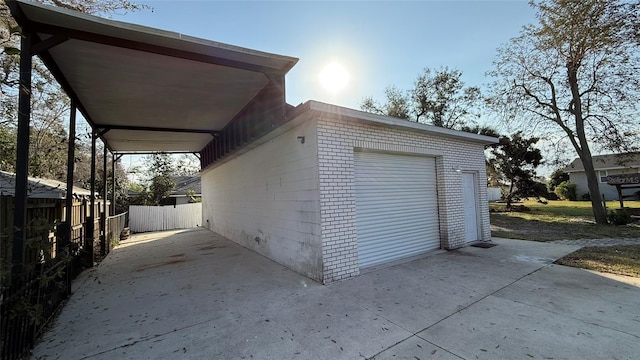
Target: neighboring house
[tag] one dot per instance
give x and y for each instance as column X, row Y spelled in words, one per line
column 132, row 194
column 40, row 188
column 604, row 165
column 187, row 190
column 336, row 190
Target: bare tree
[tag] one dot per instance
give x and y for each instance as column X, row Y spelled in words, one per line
column 576, row 72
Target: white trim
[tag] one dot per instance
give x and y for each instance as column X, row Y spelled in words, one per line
column 606, row 169
column 351, row 114
column 601, row 177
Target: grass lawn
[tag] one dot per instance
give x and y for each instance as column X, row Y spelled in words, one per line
column 621, row 260
column 558, row 220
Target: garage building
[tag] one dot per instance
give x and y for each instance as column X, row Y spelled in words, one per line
column 334, row 191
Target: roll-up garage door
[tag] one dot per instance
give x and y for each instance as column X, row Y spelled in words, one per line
column 396, row 206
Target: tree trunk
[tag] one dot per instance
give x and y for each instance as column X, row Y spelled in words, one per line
column 509, row 198
column 599, row 212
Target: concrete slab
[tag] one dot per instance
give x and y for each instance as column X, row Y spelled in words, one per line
column 580, row 294
column 410, row 298
column 415, row 348
column 194, row 294
column 145, row 289
column 498, row 328
column 333, row 327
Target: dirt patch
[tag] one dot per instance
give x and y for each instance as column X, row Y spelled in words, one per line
column 620, row 260
column 515, row 227
column 153, row 266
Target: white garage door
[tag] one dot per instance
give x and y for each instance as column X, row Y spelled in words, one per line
column 396, row 206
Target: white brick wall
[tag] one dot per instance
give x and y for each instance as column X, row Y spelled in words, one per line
column 295, row 203
column 267, row 200
column 336, row 142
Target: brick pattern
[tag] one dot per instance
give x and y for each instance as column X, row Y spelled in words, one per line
column 337, row 140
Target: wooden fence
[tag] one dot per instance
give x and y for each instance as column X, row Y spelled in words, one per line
column 115, row 225
column 28, row 302
column 158, row 218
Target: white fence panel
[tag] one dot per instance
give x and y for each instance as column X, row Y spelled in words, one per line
column 494, row 193
column 158, row 218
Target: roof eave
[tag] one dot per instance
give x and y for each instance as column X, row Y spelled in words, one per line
column 357, row 115
column 147, row 35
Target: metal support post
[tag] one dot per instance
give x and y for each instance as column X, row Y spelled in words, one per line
column 113, row 183
column 103, row 215
column 68, row 211
column 92, row 207
column 22, row 157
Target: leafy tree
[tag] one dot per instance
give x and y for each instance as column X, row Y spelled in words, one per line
column 575, row 72
column 141, row 197
column 157, row 183
column 438, row 97
column 516, row 159
column 566, row 190
column 480, row 130
column 186, row 164
column 161, row 168
column 397, row 105
column 160, row 188
column 494, row 177
column 7, row 149
column 48, row 102
column 192, row 196
column 557, row 176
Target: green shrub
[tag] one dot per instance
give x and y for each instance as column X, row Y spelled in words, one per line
column 586, row 197
column 619, row 217
column 556, row 177
column 566, row 190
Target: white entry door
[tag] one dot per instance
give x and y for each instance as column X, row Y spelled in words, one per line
column 470, row 200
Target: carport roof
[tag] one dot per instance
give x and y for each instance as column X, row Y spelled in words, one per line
column 144, row 89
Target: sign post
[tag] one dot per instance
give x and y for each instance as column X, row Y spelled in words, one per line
column 623, row 181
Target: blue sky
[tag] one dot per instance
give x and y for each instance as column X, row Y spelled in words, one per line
column 380, row 43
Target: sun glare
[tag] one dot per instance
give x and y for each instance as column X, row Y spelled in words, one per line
column 334, row 77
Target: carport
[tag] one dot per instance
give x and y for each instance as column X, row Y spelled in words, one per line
column 144, row 90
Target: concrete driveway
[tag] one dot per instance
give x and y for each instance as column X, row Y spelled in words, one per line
column 194, row 294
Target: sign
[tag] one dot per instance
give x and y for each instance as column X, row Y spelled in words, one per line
column 623, row 179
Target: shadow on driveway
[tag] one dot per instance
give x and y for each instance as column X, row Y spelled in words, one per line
column 194, row 294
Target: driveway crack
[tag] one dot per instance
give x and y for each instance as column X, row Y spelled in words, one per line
column 146, row 338
column 572, row 317
column 454, row 313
